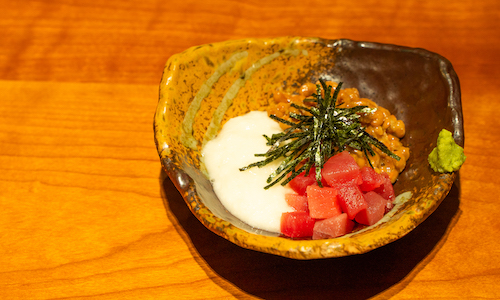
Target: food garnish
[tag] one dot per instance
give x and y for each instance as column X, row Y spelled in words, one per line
column 447, row 156
column 320, row 131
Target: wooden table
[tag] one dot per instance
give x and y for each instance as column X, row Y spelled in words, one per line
column 87, row 212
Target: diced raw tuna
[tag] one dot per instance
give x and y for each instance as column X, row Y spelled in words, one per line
column 332, row 227
column 375, row 210
column 341, row 168
column 297, row 224
column 370, row 179
column 351, row 199
column 298, row 202
column 301, row 182
column 386, row 190
column 322, row 202
column 389, row 206
column 349, row 194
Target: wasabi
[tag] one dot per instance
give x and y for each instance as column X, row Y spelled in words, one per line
column 447, row 156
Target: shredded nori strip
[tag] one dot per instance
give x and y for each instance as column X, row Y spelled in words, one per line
column 321, row 131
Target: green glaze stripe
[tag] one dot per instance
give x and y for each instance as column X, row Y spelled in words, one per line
column 231, row 93
column 187, row 124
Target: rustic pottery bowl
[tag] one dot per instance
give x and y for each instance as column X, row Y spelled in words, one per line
column 419, row 87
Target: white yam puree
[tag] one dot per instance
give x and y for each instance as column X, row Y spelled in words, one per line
column 242, row 192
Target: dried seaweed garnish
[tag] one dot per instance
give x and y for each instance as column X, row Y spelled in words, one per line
column 320, row 132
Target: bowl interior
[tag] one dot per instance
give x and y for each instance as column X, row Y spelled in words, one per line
column 419, row 87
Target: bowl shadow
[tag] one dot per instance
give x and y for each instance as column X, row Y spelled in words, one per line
column 383, row 271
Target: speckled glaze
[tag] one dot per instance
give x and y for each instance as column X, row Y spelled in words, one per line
column 418, row 86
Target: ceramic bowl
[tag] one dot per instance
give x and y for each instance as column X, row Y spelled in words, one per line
column 419, row 87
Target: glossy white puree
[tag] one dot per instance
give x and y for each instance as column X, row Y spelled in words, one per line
column 242, row 192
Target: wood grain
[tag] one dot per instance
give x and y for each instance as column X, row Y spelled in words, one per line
column 86, row 211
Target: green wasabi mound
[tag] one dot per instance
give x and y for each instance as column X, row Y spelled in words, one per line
column 447, row 156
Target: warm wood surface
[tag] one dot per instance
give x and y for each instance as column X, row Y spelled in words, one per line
column 86, row 212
